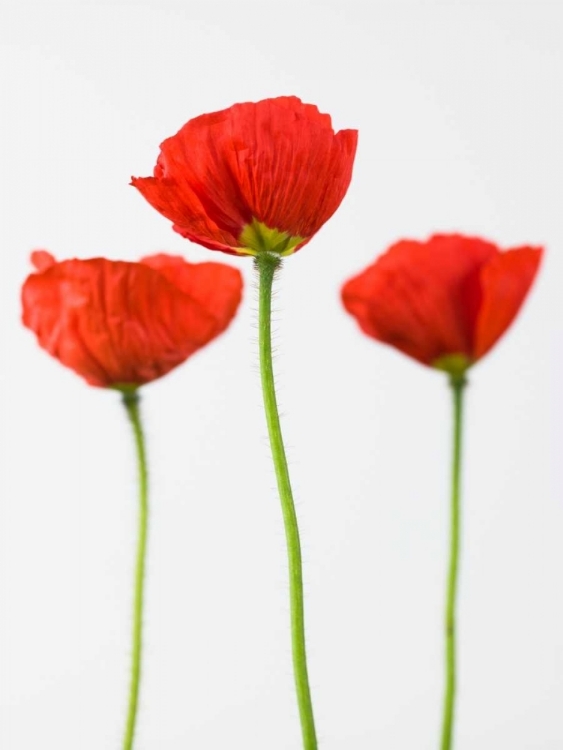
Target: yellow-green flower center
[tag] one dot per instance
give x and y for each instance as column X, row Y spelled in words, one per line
column 257, row 238
column 454, row 364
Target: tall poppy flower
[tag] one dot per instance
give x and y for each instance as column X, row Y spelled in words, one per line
column 253, row 177
column 444, row 302
column 259, row 179
column 121, row 325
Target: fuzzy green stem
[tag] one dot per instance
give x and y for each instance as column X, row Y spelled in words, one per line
column 266, row 264
column 457, row 383
column 131, row 403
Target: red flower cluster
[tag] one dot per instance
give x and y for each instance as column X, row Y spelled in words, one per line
column 254, row 177
column 126, row 324
column 446, row 301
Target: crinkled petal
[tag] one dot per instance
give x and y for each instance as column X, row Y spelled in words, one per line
column 114, row 322
column 216, row 287
column 178, row 203
column 292, row 170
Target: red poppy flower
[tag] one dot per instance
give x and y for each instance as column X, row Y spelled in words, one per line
column 125, row 324
column 257, row 176
column 446, row 301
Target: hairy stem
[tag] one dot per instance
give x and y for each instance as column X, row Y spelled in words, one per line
column 267, row 264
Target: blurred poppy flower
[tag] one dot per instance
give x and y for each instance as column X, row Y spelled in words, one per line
column 253, row 177
column 445, row 301
column 120, row 324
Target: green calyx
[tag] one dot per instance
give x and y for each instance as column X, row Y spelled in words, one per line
column 257, row 238
column 456, row 365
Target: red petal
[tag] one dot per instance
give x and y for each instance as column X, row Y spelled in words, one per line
column 421, row 298
column 114, row 322
column 293, row 170
column 301, row 110
column 42, row 260
column 178, row 203
column 505, row 282
column 216, row 287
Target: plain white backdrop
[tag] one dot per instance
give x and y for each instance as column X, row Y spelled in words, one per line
column 460, row 115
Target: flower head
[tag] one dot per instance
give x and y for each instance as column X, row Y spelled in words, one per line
column 120, row 324
column 257, row 176
column 445, row 302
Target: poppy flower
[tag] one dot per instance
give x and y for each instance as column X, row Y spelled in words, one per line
column 257, row 176
column 121, row 324
column 445, row 302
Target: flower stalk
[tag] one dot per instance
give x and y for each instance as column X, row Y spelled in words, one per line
column 267, row 265
column 457, row 383
column 131, row 403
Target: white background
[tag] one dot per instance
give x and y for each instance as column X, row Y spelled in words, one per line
column 459, row 110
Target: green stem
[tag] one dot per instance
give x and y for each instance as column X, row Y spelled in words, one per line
column 131, row 403
column 266, row 264
column 457, row 383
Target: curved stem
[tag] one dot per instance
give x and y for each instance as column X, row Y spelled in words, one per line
column 457, row 384
column 131, row 403
column 267, row 264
